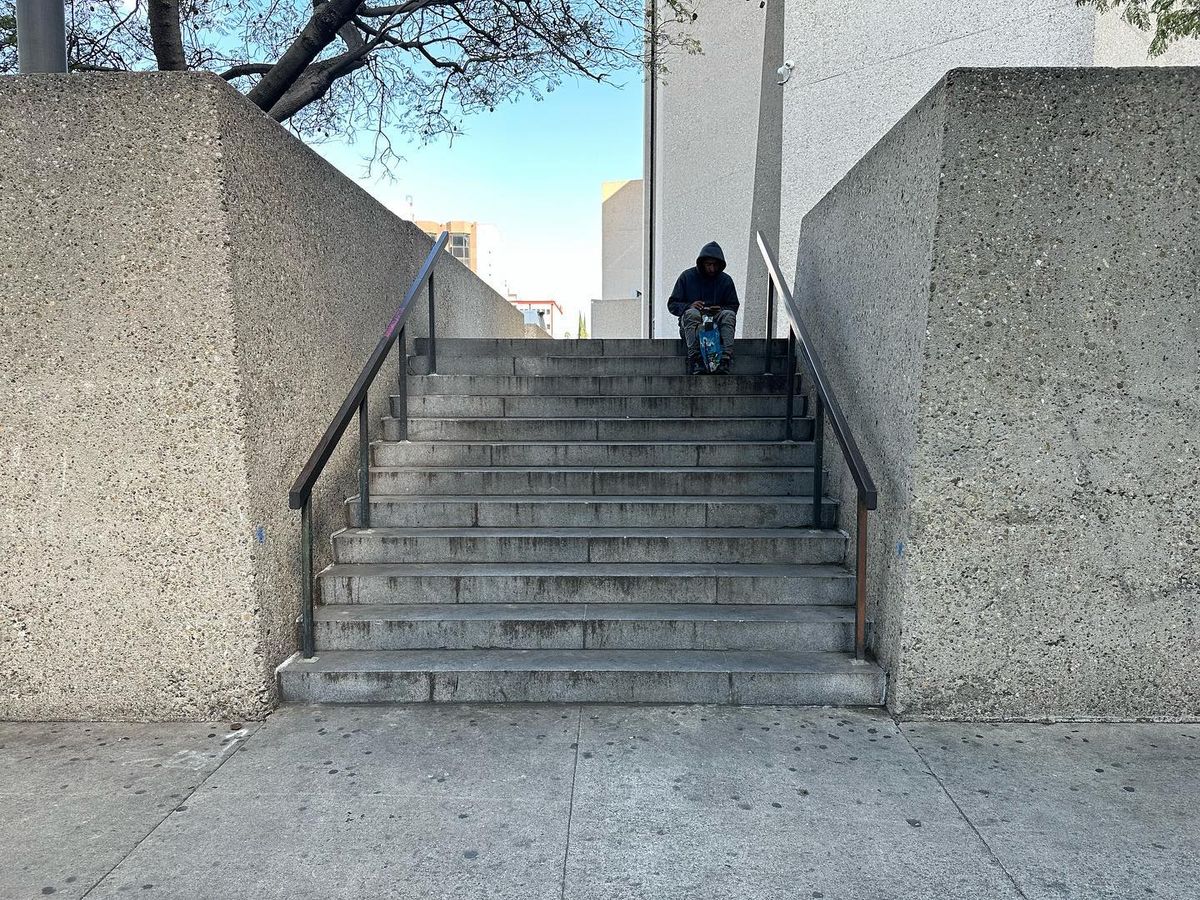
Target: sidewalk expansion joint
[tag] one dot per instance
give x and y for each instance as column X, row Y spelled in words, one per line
column 174, row 808
column 571, row 802
column 992, row 853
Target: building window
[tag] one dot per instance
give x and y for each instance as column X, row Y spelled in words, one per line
column 459, row 246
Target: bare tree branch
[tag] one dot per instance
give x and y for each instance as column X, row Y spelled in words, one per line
column 243, row 69
column 330, row 67
column 314, row 84
column 402, row 9
column 327, row 20
column 88, row 67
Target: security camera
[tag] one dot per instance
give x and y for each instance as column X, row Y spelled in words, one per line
column 785, row 71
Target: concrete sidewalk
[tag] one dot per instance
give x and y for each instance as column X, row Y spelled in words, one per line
column 599, row 803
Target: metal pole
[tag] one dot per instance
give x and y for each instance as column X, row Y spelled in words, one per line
column 306, row 578
column 432, row 329
column 364, row 467
column 41, row 36
column 818, row 459
column 791, row 385
column 860, row 587
column 770, row 310
column 651, row 168
column 401, row 411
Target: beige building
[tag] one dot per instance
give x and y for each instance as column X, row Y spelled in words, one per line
column 477, row 245
column 619, row 311
column 464, row 239
column 621, row 236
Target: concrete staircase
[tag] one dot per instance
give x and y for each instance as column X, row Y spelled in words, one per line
column 581, row 521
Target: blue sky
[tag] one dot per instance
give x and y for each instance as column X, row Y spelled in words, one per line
column 534, row 170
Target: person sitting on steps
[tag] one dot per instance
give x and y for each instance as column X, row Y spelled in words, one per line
column 705, row 285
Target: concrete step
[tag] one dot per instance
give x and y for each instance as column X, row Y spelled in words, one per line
column 604, row 626
column 794, row 481
column 474, row 454
column 447, row 347
column 520, row 511
column 540, row 582
column 715, row 546
column 743, row 364
column 598, row 385
column 579, row 676
column 651, row 430
column 546, row 406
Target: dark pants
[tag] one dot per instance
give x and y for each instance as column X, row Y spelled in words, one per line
column 689, row 330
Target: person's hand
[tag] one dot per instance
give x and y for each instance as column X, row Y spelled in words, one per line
column 699, row 304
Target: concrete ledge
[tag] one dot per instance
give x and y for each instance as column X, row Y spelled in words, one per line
column 207, row 288
column 1005, row 290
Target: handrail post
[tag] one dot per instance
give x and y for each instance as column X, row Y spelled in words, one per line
column 306, row 579
column 300, row 493
column 432, row 329
column 825, row 403
column 770, row 315
column 860, row 583
column 791, row 385
column 364, row 467
column 818, row 458
column 401, row 411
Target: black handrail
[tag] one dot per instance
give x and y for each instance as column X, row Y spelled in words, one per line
column 826, row 404
column 300, row 495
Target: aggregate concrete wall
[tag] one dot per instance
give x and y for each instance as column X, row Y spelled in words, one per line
column 189, row 292
column 536, row 332
column 1006, row 291
column 860, row 67
column 717, row 151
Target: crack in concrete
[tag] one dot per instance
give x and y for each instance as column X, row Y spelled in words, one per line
column 175, row 808
column 1050, row 7
column 571, row 803
column 992, row 853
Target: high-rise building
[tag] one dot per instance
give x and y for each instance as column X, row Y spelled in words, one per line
column 477, row 245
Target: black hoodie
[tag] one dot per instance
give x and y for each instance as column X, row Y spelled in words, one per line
column 692, row 285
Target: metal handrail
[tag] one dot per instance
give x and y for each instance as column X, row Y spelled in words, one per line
column 300, row 495
column 826, row 404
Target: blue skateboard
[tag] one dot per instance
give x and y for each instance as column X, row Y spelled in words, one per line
column 710, row 339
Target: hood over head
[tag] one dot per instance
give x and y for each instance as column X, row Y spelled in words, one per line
column 712, row 250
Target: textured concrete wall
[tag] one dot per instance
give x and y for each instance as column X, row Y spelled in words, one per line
column 1117, row 43
column 712, row 111
column 622, row 241
column 189, row 293
column 617, row 318
column 868, row 323
column 1006, row 287
column 860, row 67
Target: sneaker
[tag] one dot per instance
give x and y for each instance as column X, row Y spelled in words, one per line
column 724, row 367
column 696, row 367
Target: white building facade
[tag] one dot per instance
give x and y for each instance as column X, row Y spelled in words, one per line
column 729, row 150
